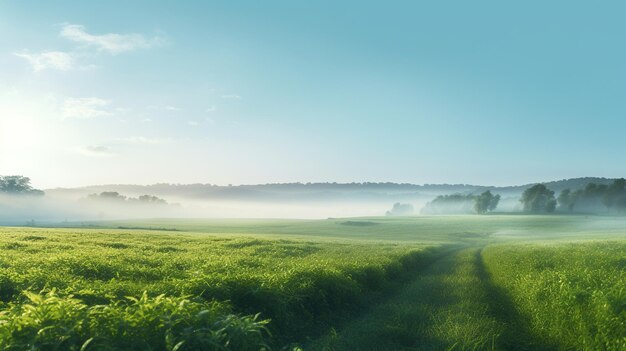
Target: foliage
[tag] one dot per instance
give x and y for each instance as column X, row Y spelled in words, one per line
column 538, row 199
column 460, row 203
column 52, row 322
column 595, row 198
column 565, row 200
column 572, row 294
column 486, row 202
column 301, row 286
column 17, row 185
column 445, row 308
column 308, row 277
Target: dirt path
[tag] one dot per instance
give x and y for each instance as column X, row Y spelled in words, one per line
column 446, row 308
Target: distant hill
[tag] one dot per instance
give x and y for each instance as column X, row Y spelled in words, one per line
column 316, row 192
column 287, row 200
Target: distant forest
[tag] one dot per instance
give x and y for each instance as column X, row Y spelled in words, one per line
column 539, row 198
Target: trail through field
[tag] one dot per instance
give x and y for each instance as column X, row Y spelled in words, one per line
column 451, row 306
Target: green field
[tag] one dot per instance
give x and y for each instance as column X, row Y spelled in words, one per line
column 413, row 283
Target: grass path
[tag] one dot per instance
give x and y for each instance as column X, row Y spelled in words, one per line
column 452, row 305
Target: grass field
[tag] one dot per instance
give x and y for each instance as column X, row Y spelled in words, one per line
column 422, row 283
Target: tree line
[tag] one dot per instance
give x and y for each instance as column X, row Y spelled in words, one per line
column 593, row 198
column 114, row 196
column 463, row 203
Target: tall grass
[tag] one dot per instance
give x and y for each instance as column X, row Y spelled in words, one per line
column 573, row 295
column 52, row 322
column 301, row 286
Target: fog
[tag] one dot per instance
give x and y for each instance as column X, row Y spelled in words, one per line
column 19, row 210
column 292, row 200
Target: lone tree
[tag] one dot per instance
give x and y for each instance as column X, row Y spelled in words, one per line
column 538, row 199
column 486, row 202
column 17, row 185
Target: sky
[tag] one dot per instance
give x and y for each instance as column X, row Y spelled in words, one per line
column 246, row 92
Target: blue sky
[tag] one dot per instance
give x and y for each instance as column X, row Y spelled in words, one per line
column 482, row 92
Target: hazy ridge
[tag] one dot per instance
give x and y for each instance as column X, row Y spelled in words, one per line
column 317, row 191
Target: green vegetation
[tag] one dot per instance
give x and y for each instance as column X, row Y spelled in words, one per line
column 570, row 295
column 462, row 204
column 594, row 198
column 538, row 199
column 446, row 307
column 301, row 286
column 432, row 230
column 486, row 202
column 17, row 185
column 49, row 322
column 386, row 283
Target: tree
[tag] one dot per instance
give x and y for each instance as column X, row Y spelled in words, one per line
column 486, row 202
column 17, row 185
column 615, row 196
column 538, row 199
column 596, row 198
column 566, row 200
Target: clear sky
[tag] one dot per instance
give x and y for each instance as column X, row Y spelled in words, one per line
column 483, row 92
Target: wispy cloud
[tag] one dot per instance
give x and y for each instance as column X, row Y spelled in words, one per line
column 84, row 108
column 58, row 60
column 211, row 109
column 192, row 123
column 95, row 151
column 231, row 96
column 111, row 42
column 173, row 108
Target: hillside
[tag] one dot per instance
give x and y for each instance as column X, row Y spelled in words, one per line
column 314, row 192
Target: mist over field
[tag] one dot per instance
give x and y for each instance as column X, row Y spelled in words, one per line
column 312, row 175
column 295, row 200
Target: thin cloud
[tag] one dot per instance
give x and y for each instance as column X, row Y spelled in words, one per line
column 95, row 151
column 84, row 108
column 211, row 109
column 58, row 60
column 192, row 123
column 111, row 42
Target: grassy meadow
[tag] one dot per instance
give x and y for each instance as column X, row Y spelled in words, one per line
column 411, row 283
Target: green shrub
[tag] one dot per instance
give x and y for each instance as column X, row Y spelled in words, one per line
column 53, row 322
